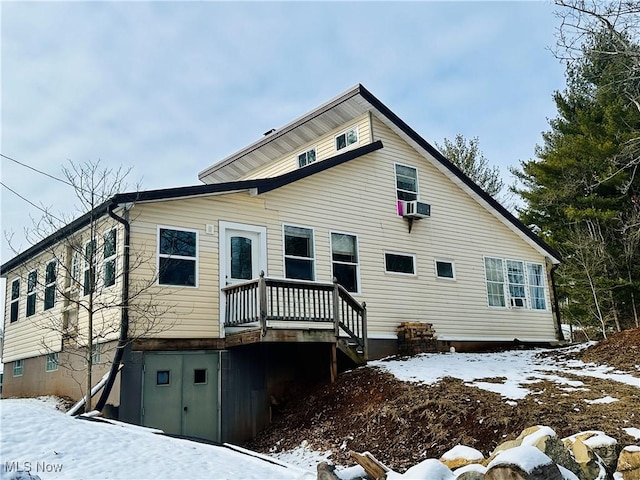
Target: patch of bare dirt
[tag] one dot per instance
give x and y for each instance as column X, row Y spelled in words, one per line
column 403, row 423
column 621, row 351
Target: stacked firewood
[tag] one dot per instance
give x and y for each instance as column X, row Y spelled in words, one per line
column 416, row 337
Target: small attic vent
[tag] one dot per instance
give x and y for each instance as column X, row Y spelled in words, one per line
column 269, row 132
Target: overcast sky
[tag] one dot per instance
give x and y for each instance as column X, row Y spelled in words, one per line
column 169, row 88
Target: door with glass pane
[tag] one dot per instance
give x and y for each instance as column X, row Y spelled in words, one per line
column 243, row 256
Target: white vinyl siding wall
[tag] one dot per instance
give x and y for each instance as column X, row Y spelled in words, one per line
column 459, row 229
column 42, row 332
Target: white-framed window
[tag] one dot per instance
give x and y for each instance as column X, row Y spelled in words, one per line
column 537, row 294
column 445, row 269
column 494, row 274
column 76, row 270
column 299, row 253
column 32, row 283
column 515, row 283
column 18, row 368
column 406, row 182
column 177, row 256
column 400, row 263
column 305, row 158
column 96, row 351
column 50, row 275
column 347, row 138
column 52, row 362
column 89, row 270
column 345, row 261
column 109, row 257
column 15, row 300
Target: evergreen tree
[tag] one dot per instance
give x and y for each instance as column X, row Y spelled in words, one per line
column 467, row 156
column 581, row 192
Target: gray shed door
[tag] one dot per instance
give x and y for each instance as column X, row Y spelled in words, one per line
column 180, row 393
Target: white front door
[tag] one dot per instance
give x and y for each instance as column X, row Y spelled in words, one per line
column 242, row 260
column 243, row 255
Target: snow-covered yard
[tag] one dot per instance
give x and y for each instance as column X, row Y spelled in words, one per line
column 38, row 438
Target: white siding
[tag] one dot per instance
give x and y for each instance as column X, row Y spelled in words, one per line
column 359, row 198
column 42, row 333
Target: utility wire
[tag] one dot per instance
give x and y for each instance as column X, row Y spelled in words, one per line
column 36, row 170
column 46, row 212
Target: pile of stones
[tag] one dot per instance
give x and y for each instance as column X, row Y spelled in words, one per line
column 536, row 454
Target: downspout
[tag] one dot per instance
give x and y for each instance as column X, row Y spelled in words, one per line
column 556, row 304
column 124, row 310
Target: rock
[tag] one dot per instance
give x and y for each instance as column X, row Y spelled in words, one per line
column 555, row 449
column 472, row 471
column 591, row 465
column 602, row 445
column 460, row 455
column 430, row 469
column 522, row 463
column 629, row 463
column 326, row 472
column 472, row 475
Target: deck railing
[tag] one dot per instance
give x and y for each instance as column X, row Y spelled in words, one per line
column 265, row 299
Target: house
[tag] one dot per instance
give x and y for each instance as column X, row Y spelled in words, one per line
column 297, row 255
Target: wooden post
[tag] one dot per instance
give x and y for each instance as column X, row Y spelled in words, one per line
column 336, row 307
column 262, row 302
column 365, row 338
column 334, row 363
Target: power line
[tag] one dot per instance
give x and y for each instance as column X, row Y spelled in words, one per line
column 36, row 170
column 30, row 202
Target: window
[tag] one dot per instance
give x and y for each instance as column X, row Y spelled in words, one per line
column 406, row 182
column 18, row 368
column 515, row 283
column 445, row 269
column 76, row 270
column 95, row 354
column 89, row 276
column 109, row 258
column 162, row 377
column 306, row 158
column 495, row 281
column 399, row 263
column 536, row 286
column 15, row 300
column 177, row 257
column 344, row 255
column 32, row 281
column 298, row 253
column 199, row 376
column 50, row 274
column 241, row 258
column 515, row 278
column 347, row 138
column 52, row 362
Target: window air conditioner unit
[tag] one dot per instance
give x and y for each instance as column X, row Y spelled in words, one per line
column 517, row 302
column 416, row 209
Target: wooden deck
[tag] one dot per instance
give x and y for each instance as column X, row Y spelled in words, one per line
column 282, row 310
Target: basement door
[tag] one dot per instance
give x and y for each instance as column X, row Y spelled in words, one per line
column 180, row 393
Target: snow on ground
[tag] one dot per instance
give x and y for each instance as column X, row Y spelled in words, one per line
column 38, row 438
column 513, row 371
column 633, row 432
